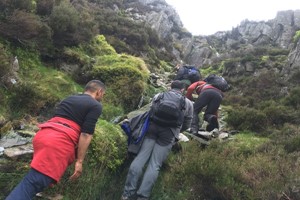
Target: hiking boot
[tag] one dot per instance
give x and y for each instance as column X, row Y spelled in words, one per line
column 212, row 123
column 193, row 131
column 204, row 137
column 215, row 133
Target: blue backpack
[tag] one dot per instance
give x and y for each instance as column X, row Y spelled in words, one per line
column 190, row 73
column 135, row 129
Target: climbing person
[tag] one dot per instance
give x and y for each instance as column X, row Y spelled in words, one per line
column 188, row 74
column 61, row 140
column 210, row 95
column 170, row 113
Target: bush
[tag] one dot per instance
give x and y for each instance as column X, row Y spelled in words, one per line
column 99, row 47
column 64, row 21
column 293, row 99
column 44, row 7
column 26, row 5
column 5, row 62
column 27, row 98
column 126, row 83
column 21, row 26
column 64, row 18
column 243, row 118
column 296, row 37
column 292, row 144
column 277, row 115
column 111, row 111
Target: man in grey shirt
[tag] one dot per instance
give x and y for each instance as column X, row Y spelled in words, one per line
column 155, row 149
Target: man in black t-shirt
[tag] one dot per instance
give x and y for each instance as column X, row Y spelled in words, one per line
column 68, row 133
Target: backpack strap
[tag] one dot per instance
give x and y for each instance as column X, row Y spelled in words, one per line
column 159, row 97
column 182, row 102
column 199, row 87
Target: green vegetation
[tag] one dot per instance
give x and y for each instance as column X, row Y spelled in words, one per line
column 296, row 36
column 63, row 44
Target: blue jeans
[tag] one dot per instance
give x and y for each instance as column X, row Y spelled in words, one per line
column 33, row 183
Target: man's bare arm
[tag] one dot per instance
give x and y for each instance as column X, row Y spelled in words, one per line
column 83, row 144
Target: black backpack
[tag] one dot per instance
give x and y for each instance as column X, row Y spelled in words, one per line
column 193, row 74
column 218, row 82
column 190, row 73
column 168, row 109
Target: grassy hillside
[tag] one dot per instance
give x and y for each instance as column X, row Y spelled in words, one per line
column 61, row 45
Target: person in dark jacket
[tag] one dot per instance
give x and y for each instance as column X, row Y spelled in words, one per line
column 209, row 97
column 155, row 149
column 66, row 134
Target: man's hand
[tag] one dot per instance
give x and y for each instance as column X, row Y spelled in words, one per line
column 77, row 171
column 83, row 144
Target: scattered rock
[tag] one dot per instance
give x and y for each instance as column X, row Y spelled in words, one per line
column 1, row 151
column 183, row 138
column 26, row 133
column 19, row 151
column 12, row 140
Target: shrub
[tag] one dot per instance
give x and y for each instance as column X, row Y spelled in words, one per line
column 5, row 62
column 27, row 98
column 64, row 21
column 243, row 118
column 263, row 87
column 293, row 99
column 111, row 111
column 278, row 115
column 26, row 27
column 296, row 36
column 276, row 52
column 26, row 5
column 131, row 92
column 292, row 144
column 64, row 18
column 295, row 78
column 99, row 47
column 44, row 7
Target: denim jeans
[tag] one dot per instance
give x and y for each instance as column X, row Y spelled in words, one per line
column 33, row 183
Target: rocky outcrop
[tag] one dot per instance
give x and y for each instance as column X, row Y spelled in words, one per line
column 156, row 14
column 207, row 50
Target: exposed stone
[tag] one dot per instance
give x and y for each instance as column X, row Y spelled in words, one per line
column 26, row 133
column 206, row 50
column 12, row 140
column 19, row 151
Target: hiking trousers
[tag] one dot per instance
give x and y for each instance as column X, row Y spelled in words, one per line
column 155, row 154
column 209, row 98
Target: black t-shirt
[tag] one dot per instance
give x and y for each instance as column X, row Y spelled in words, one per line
column 82, row 109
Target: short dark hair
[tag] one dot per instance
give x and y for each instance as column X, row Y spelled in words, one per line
column 177, row 84
column 94, row 85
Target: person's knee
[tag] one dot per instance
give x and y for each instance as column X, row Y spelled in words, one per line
column 135, row 169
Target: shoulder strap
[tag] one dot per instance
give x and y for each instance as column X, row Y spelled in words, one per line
column 199, row 87
column 182, row 102
column 159, row 97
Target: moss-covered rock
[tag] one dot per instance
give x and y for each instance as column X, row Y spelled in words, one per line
column 108, row 147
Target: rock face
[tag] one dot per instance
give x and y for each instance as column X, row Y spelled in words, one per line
column 207, row 50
